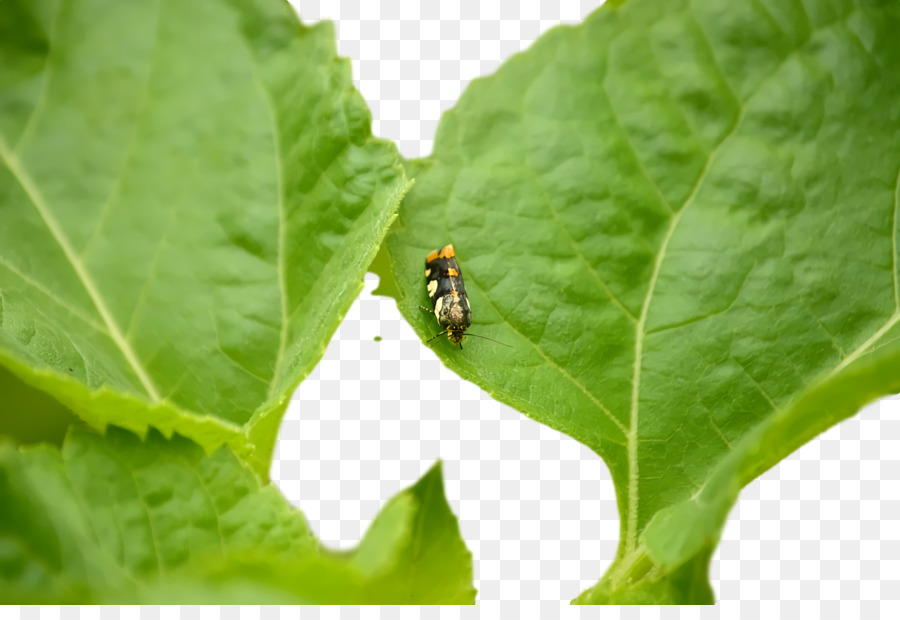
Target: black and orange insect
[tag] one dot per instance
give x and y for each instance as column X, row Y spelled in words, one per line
column 447, row 291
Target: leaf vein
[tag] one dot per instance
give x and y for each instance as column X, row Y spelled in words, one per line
column 721, row 435
column 133, row 140
column 228, row 355
column 28, row 185
column 894, row 242
column 205, row 490
column 41, row 105
column 618, row 424
column 578, row 253
column 714, row 61
column 864, row 347
column 282, row 219
column 630, row 144
column 53, row 297
column 757, row 384
column 633, row 469
column 151, row 274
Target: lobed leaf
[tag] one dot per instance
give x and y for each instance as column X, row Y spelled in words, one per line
column 116, row 519
column 190, row 194
column 682, row 215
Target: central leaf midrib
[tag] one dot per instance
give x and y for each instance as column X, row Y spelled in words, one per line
column 282, row 220
column 31, row 190
column 640, row 328
column 631, row 448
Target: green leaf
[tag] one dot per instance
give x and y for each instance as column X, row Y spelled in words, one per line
column 190, row 194
column 682, row 216
column 47, row 422
column 434, row 565
column 116, row 519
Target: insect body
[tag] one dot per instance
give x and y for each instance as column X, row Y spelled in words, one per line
column 448, row 296
column 448, row 293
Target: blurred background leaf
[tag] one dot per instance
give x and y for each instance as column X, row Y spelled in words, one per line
column 114, row 519
column 190, row 194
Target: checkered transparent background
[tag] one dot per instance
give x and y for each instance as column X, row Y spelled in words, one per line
column 816, row 537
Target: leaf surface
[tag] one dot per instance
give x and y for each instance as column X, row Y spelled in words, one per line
column 47, row 422
column 190, row 194
column 116, row 519
column 682, row 216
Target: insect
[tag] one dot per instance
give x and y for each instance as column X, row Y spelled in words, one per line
column 447, row 291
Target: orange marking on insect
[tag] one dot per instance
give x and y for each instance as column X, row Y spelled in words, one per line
column 452, row 272
column 444, row 252
column 454, row 293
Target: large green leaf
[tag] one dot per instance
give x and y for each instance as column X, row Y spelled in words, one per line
column 682, row 216
column 189, row 194
column 117, row 519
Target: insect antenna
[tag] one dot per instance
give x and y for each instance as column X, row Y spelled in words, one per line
column 436, row 335
column 491, row 339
